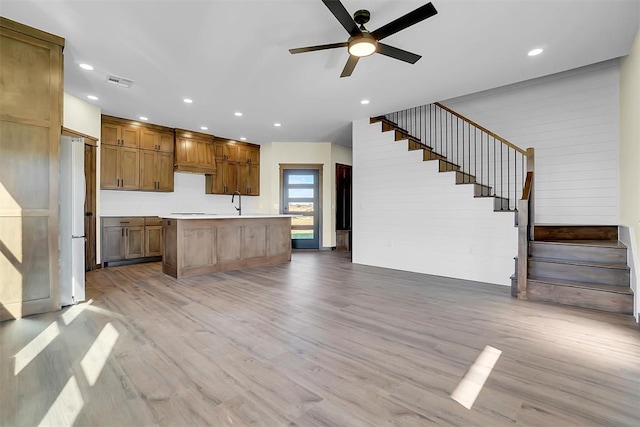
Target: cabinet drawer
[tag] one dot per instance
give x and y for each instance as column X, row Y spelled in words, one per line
column 123, row 222
column 152, row 220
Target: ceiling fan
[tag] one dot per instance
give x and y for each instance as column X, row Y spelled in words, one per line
column 365, row 43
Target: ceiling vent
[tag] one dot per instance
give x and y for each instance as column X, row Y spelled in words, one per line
column 120, row 81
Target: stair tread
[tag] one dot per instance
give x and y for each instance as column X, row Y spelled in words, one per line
column 584, row 285
column 617, row 266
column 598, row 243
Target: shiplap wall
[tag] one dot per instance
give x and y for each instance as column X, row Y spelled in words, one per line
column 408, row 216
column 572, row 120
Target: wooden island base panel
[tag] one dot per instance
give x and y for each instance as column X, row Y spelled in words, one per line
column 203, row 244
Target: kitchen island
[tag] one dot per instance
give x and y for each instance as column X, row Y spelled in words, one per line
column 200, row 244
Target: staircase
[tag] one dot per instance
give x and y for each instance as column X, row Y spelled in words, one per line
column 584, row 266
column 501, row 204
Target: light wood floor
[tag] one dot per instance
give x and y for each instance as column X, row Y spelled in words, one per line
column 317, row 342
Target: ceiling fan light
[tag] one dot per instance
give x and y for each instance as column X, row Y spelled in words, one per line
column 362, row 46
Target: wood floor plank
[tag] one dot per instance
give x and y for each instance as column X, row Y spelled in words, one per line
column 315, row 342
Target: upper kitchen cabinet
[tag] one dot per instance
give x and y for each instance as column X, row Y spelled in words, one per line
column 147, row 166
column 238, row 168
column 116, row 131
column 249, row 154
column 194, row 152
column 156, row 140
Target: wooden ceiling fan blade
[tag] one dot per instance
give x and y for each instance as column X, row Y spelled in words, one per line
column 396, row 53
column 341, row 14
column 349, row 66
column 411, row 18
column 318, row 47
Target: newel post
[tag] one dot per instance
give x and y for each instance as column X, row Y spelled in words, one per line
column 526, row 219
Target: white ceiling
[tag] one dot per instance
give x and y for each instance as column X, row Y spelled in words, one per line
column 233, row 56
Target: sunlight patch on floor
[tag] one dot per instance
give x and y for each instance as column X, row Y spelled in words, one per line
column 73, row 312
column 35, row 347
column 66, row 408
column 469, row 388
column 93, row 362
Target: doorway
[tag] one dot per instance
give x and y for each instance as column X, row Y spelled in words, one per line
column 301, row 197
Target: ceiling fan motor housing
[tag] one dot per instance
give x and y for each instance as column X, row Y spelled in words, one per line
column 361, row 17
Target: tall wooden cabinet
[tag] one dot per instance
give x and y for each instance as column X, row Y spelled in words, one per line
column 238, row 168
column 194, row 152
column 31, row 91
column 136, row 156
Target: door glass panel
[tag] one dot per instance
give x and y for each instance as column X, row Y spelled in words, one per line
column 299, row 207
column 302, row 220
column 302, row 234
column 303, row 193
column 300, row 179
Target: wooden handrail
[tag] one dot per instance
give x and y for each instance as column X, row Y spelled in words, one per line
column 482, row 128
column 528, row 183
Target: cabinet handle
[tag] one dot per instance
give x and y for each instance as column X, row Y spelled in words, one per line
column 123, row 232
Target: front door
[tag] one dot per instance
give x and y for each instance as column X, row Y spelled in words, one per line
column 300, row 190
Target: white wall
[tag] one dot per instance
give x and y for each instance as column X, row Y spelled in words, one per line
column 409, row 216
column 630, row 153
column 275, row 153
column 572, row 120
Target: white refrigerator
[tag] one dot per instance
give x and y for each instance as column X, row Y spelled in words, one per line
column 72, row 238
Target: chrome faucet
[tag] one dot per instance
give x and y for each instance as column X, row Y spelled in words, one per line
column 239, row 208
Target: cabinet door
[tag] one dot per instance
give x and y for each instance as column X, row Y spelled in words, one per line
column 130, row 136
column 113, row 243
column 109, row 167
column 254, row 179
column 249, row 179
column 214, row 184
column 165, row 142
column 129, row 168
column 153, row 240
column 230, row 177
column 134, row 238
column 148, row 177
column 110, row 134
column 218, row 148
column 164, row 171
column 231, row 152
column 254, row 155
column 148, row 139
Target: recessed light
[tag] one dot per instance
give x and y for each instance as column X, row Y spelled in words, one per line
column 242, row 138
column 364, row 102
column 144, row 118
column 86, row 67
column 92, row 97
column 204, row 128
column 277, row 124
column 188, row 100
column 238, row 114
column 535, row 52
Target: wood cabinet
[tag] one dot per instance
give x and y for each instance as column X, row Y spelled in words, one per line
column 130, row 238
column 120, row 134
column 238, row 169
column 194, row 152
column 119, row 168
column 136, row 156
column 151, row 139
column 156, row 171
column 31, row 81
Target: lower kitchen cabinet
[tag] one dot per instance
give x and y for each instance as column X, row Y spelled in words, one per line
column 131, row 238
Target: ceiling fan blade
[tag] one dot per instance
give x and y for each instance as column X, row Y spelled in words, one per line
column 349, row 66
column 342, row 16
column 411, row 18
column 319, row 47
column 396, row 53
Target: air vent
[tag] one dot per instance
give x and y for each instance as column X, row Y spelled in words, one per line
column 120, row 81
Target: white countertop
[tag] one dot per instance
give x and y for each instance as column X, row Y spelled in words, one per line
column 222, row 216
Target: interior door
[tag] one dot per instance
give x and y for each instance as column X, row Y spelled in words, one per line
column 301, row 198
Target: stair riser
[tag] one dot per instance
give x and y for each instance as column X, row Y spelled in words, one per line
column 576, row 232
column 578, row 253
column 578, row 273
column 481, row 190
column 580, row 297
column 500, row 204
